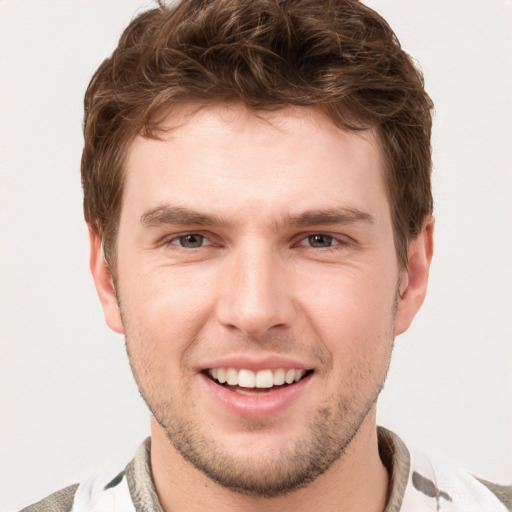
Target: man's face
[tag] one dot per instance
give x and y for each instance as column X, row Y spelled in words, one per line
column 257, row 249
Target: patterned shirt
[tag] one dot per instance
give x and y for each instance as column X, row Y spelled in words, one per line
column 417, row 484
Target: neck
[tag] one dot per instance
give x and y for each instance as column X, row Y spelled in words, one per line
column 356, row 481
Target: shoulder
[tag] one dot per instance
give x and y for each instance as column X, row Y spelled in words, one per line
column 60, row 501
column 108, row 491
column 103, row 492
column 450, row 488
column 419, row 483
column 502, row 492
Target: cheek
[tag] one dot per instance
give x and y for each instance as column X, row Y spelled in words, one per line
column 353, row 316
column 350, row 298
column 164, row 312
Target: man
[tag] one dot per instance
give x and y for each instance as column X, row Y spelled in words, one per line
column 257, row 188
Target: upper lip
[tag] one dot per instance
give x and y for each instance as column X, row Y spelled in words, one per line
column 270, row 362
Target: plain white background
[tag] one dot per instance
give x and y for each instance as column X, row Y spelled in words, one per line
column 68, row 406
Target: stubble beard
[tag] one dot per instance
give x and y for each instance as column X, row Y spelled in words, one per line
column 274, row 474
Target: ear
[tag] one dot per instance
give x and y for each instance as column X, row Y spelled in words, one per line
column 414, row 279
column 104, row 283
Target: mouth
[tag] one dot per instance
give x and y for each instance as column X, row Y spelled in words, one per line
column 252, row 383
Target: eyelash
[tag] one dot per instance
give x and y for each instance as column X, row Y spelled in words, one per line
column 336, row 242
column 174, row 239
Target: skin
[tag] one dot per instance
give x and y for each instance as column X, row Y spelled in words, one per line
column 256, row 191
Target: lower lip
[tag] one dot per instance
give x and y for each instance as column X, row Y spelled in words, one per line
column 256, row 406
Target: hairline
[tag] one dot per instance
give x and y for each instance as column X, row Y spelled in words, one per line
column 194, row 106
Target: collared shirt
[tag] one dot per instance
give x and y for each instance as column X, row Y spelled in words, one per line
column 417, row 484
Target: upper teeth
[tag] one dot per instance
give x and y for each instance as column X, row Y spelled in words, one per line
column 260, row 379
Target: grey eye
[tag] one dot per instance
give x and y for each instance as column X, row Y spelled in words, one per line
column 320, row 241
column 191, row 241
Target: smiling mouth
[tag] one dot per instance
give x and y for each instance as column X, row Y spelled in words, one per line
column 248, row 382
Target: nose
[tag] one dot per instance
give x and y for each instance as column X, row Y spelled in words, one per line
column 255, row 294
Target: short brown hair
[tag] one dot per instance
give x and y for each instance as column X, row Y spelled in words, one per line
column 337, row 55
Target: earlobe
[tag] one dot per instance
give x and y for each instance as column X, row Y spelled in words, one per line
column 104, row 283
column 413, row 285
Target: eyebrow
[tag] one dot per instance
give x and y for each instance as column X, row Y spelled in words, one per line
column 329, row 216
column 168, row 214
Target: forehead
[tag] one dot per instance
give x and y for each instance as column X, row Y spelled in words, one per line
column 225, row 157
